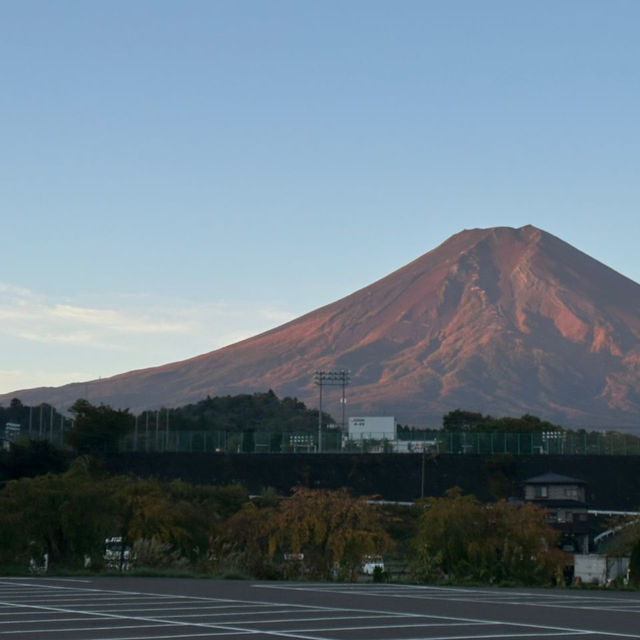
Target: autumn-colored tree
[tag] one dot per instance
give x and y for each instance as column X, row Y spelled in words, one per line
column 247, row 542
column 145, row 511
column 318, row 534
column 446, row 531
column 169, row 524
column 332, row 529
column 176, row 517
column 520, row 545
column 199, row 509
column 460, row 539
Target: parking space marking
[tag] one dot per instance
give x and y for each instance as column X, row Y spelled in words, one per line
column 555, row 599
column 86, row 613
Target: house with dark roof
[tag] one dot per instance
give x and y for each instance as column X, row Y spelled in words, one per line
column 564, row 498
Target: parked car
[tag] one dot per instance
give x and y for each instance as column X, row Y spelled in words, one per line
column 371, row 563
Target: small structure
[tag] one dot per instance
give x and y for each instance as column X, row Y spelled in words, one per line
column 11, row 432
column 564, row 499
column 602, row 570
column 373, row 428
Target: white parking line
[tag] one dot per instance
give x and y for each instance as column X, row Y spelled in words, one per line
column 456, row 594
column 167, row 622
column 44, row 579
column 416, row 625
column 74, row 629
column 215, row 618
column 330, row 616
column 213, row 607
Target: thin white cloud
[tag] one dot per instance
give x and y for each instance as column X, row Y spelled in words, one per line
column 116, row 320
column 29, row 316
column 79, row 338
column 10, row 289
column 79, row 341
column 12, row 379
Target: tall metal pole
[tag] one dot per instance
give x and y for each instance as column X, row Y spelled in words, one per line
column 331, row 378
column 320, row 422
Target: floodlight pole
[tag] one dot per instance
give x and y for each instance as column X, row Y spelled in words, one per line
column 330, row 378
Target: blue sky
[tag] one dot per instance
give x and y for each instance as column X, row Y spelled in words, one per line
column 175, row 176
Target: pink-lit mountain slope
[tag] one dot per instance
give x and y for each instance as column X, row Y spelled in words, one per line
column 503, row 321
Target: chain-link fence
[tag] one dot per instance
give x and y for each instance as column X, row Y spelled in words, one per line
column 416, row 441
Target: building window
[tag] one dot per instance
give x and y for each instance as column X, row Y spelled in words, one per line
column 571, row 492
column 541, row 491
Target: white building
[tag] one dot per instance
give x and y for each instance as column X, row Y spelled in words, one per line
column 373, row 428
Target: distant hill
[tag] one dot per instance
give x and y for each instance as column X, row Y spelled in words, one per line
column 501, row 321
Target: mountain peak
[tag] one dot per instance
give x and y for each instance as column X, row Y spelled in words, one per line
column 501, row 320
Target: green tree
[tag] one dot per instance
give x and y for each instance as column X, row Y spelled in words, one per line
column 459, row 420
column 64, row 515
column 634, row 565
column 97, row 429
column 69, row 516
column 626, row 530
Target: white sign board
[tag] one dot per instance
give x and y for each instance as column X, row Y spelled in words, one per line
column 372, row 428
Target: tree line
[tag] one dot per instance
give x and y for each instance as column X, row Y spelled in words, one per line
column 311, row 534
column 93, row 428
column 100, row 426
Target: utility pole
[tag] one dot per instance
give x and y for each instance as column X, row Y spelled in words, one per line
column 422, row 474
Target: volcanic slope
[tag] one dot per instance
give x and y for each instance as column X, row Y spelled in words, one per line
column 503, row 321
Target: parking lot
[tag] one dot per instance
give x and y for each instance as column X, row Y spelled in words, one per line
column 139, row 608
